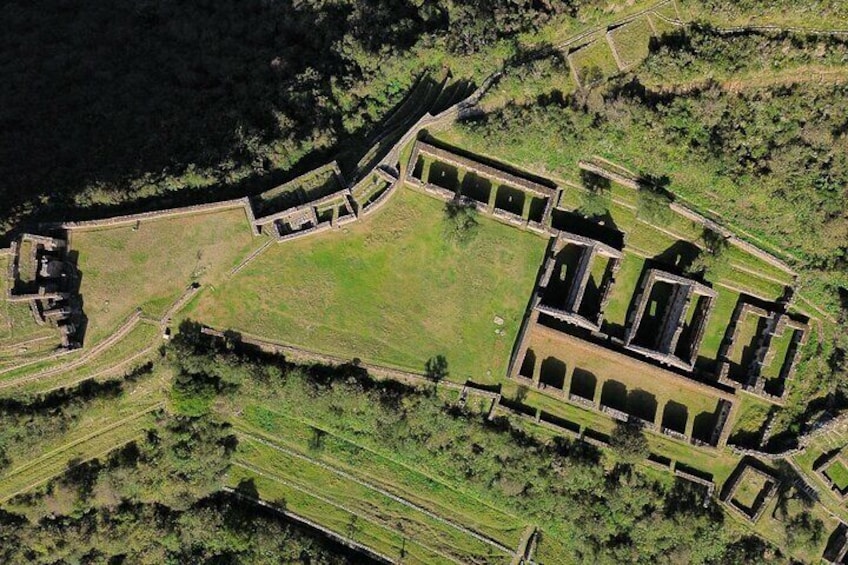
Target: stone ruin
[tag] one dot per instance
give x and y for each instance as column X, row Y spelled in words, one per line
column 775, row 323
column 750, row 468
column 42, row 275
column 824, row 464
column 493, row 191
column 674, row 340
column 325, row 213
column 570, row 304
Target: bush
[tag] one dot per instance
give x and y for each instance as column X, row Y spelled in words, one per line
column 460, row 221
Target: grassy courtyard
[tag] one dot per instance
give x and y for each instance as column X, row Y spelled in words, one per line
column 151, row 264
column 838, row 473
column 389, row 290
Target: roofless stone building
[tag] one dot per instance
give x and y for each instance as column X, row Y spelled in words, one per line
column 42, row 274
column 669, row 318
column 578, row 275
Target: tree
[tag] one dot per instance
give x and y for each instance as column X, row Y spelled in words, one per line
column 629, row 443
column 803, row 530
column 460, row 221
column 596, row 201
column 436, row 368
column 710, row 262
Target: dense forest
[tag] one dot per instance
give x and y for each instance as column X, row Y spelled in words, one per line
column 108, row 102
column 158, row 499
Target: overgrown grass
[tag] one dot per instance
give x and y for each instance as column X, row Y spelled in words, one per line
column 750, row 486
column 389, row 290
column 124, row 268
column 368, row 503
column 106, row 424
column 631, row 41
column 594, row 62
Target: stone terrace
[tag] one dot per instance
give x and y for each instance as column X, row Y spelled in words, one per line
column 622, row 387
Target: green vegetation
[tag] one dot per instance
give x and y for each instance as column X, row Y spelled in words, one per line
column 353, row 426
column 389, row 290
column 126, row 450
column 151, row 264
column 838, row 473
column 593, row 63
column 791, row 203
column 282, row 83
column 631, row 41
column 750, row 486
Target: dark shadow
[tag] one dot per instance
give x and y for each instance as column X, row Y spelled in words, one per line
column 651, row 324
column 642, row 404
column 537, row 208
column 567, row 425
column 614, row 395
column 590, row 305
column 675, row 416
column 703, row 426
column 476, row 187
column 418, row 169
column 443, row 175
column 835, row 542
column 660, row 459
column 517, row 405
column 677, row 258
column 605, row 232
column 247, row 487
column 598, row 436
column 436, row 368
column 566, row 262
column 595, row 183
column 154, row 89
column 528, row 365
column 510, row 199
column 552, row 372
column 741, row 371
column 583, row 384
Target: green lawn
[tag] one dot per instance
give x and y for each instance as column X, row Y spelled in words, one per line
column 779, row 347
column 124, row 268
column 838, row 473
column 389, row 290
column 749, row 488
column 626, row 283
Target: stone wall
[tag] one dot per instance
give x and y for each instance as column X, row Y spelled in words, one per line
column 486, row 171
column 169, row 213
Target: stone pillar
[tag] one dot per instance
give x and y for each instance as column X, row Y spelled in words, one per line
column 599, row 388
column 528, row 201
column 690, row 425
column 493, row 196
column 659, row 415
column 566, row 383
